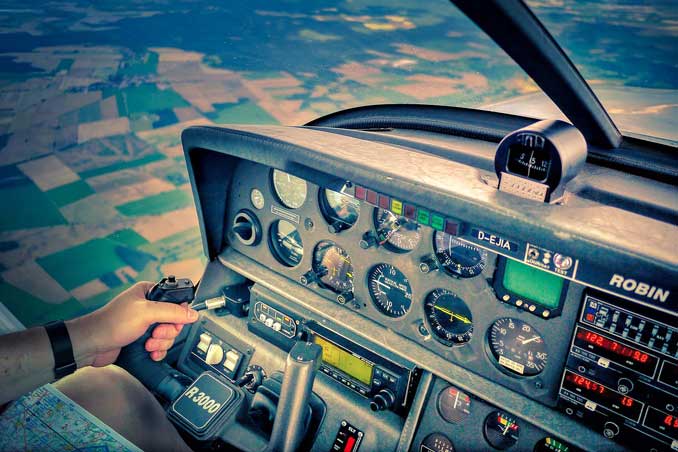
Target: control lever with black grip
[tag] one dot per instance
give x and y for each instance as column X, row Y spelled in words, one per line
column 157, row 376
column 301, row 367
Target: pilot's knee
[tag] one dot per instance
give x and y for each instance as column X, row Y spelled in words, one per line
column 112, row 387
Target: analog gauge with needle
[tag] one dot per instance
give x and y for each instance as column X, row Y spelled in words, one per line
column 390, row 290
column 450, row 319
column 286, row 243
column 454, row 405
column 517, row 347
column 501, row 430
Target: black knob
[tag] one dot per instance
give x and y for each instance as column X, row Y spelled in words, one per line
column 308, row 278
column 383, row 400
column 369, row 240
column 254, row 376
column 246, row 228
column 428, row 264
column 345, row 297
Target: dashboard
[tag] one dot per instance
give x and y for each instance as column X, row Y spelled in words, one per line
column 451, row 316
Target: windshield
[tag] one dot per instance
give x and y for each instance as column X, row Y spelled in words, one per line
column 627, row 50
column 94, row 95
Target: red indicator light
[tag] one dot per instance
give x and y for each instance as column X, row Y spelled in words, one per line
column 384, row 202
column 451, row 227
column 590, row 317
column 410, row 212
column 350, row 442
column 372, row 197
column 360, row 192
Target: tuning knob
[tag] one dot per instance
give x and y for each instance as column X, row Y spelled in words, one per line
column 383, row 400
column 308, row 278
column 369, row 240
column 428, row 264
column 246, row 228
column 214, row 354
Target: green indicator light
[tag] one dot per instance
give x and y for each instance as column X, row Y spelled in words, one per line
column 437, row 222
column 396, row 206
column 423, row 217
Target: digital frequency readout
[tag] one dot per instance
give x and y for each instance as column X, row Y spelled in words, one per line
column 611, row 349
column 602, row 395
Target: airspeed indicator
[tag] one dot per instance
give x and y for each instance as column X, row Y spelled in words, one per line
column 517, row 347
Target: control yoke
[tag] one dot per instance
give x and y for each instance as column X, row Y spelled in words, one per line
column 158, row 377
column 301, row 366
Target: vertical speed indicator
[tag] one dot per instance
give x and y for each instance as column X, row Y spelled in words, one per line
column 390, row 290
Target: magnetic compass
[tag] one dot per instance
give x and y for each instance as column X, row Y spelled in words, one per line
column 536, row 162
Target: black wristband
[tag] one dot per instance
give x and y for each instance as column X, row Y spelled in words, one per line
column 62, row 348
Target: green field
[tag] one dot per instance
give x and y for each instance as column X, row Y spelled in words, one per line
column 32, row 311
column 31, row 208
column 143, row 65
column 69, row 193
column 80, row 264
column 157, row 204
column 147, row 98
column 90, row 113
column 123, row 165
column 245, row 112
column 128, row 237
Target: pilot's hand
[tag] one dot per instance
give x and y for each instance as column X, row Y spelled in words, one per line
column 98, row 337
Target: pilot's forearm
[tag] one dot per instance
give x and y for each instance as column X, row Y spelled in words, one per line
column 27, row 361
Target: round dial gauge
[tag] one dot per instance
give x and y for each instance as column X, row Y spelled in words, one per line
column 291, row 190
column 332, row 265
column 449, row 317
column 501, row 430
column 390, row 290
column 517, row 347
column 340, row 210
column 396, row 232
column 453, row 405
column 436, row 442
column 257, row 198
column 286, row 243
column 458, row 258
column 550, row 444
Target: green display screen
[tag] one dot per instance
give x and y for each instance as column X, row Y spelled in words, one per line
column 533, row 284
column 342, row 360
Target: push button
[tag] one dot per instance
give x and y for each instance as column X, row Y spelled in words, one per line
column 205, row 341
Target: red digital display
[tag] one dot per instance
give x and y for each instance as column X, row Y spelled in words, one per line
column 661, row 422
column 614, row 346
column 584, row 382
column 612, row 349
column 602, row 395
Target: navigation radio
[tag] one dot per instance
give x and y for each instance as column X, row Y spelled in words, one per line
column 386, row 382
column 621, row 375
column 385, row 378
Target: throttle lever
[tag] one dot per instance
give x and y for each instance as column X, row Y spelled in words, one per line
column 157, row 376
